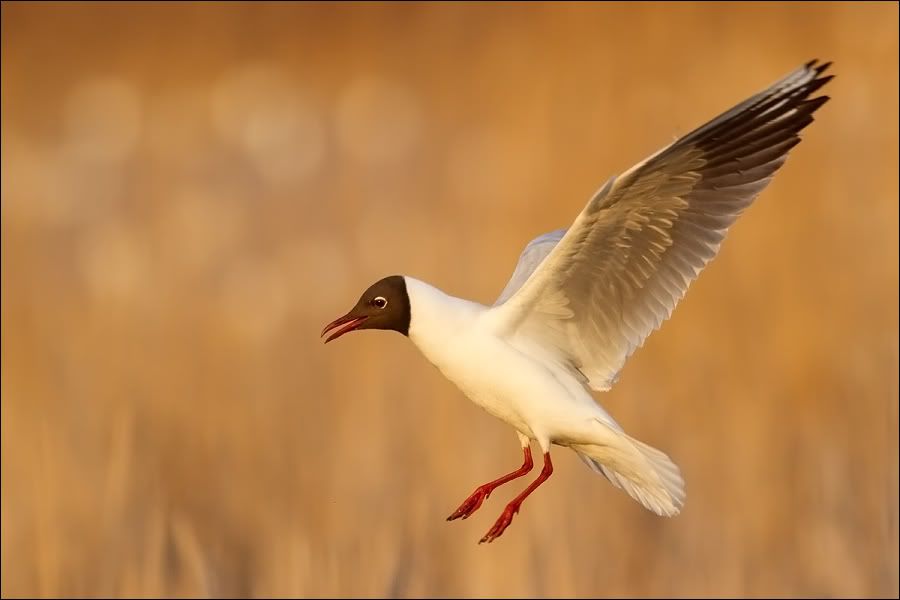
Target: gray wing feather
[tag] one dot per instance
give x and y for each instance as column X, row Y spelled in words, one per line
column 532, row 256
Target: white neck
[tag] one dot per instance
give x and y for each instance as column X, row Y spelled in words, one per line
column 435, row 316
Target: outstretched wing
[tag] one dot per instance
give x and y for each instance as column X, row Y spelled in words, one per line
column 631, row 254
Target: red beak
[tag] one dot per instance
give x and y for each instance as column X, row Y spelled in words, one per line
column 343, row 325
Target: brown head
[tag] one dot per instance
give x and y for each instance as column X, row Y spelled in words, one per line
column 385, row 305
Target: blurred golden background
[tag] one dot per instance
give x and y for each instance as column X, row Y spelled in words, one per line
column 191, row 191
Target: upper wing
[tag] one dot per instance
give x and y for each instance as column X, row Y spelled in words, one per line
column 532, row 256
column 631, row 254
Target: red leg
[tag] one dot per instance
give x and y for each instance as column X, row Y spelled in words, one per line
column 473, row 502
column 513, row 507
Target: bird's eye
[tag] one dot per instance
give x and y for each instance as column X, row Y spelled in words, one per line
column 379, row 302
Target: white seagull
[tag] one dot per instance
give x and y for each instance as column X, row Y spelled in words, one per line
column 582, row 299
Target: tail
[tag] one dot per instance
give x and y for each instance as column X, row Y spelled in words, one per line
column 645, row 473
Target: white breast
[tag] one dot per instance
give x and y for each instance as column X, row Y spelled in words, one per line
column 458, row 338
column 451, row 335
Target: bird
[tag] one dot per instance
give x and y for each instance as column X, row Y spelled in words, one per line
column 582, row 299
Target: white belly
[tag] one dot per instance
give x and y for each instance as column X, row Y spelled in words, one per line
column 541, row 400
column 511, row 386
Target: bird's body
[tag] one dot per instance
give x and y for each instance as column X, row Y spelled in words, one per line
column 581, row 300
column 464, row 341
column 517, row 381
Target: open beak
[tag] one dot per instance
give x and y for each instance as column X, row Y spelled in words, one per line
column 342, row 325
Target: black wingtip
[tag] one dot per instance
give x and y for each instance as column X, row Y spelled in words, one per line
column 814, row 85
column 813, row 104
column 818, row 68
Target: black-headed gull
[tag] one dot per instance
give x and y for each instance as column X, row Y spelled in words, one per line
column 581, row 300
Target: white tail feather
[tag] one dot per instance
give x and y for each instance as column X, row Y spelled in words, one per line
column 643, row 472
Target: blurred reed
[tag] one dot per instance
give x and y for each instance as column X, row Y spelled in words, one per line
column 190, row 191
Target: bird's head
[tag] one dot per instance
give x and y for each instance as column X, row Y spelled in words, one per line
column 385, row 305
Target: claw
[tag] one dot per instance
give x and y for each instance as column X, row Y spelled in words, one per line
column 500, row 526
column 470, row 505
column 483, row 492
